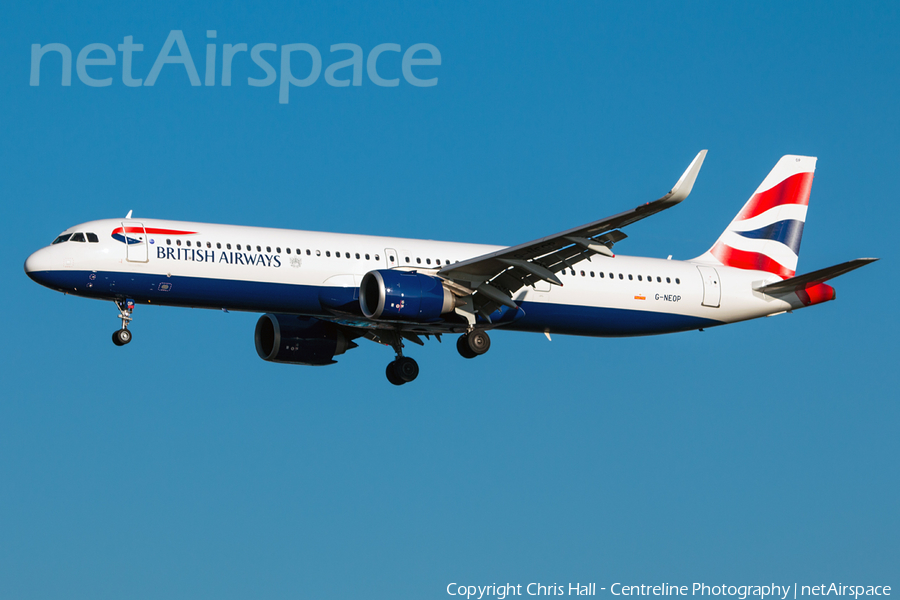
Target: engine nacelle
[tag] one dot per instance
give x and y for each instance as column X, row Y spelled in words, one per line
column 299, row 340
column 404, row 296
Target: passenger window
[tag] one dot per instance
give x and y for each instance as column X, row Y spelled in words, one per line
column 678, row 281
column 621, row 276
column 407, row 259
column 367, row 257
column 428, row 261
column 592, row 273
column 377, row 257
column 188, row 243
column 328, row 253
column 639, row 278
column 92, row 238
column 168, row 242
column 419, row 261
column 77, row 237
column 346, row 255
column 658, row 279
column 582, row 273
column 278, row 250
column 268, row 249
column 630, row 278
column 602, row 275
column 258, row 249
column 318, row 253
column 288, row 250
column 238, row 246
column 177, row 242
column 357, row 256
column 668, row 280
column 437, row 261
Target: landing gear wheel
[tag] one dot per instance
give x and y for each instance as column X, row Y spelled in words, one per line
column 473, row 344
column 406, row 368
column 392, row 374
column 121, row 337
column 403, row 370
column 462, row 346
column 479, row 342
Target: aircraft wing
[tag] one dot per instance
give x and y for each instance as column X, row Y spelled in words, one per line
column 492, row 279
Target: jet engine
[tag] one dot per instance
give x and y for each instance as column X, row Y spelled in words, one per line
column 299, row 340
column 404, row 296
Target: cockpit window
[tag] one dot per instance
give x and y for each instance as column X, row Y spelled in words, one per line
column 77, row 237
column 63, row 238
column 92, row 238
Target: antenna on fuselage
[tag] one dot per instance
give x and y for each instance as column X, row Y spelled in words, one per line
column 128, row 216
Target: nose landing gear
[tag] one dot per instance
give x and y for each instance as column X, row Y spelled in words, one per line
column 122, row 336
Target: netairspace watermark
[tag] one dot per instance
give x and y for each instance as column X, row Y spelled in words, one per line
column 741, row 592
column 348, row 71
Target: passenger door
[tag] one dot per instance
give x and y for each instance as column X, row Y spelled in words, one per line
column 135, row 241
column 712, row 291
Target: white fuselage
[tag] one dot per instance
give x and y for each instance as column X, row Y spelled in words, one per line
column 300, row 272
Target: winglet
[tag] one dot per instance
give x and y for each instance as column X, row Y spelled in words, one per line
column 686, row 183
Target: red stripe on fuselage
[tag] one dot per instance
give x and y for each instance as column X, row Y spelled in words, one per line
column 152, row 230
column 742, row 259
column 793, row 190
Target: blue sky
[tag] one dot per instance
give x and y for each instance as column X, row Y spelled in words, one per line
column 182, row 466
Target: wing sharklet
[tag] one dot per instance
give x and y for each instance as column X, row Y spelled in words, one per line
column 685, row 183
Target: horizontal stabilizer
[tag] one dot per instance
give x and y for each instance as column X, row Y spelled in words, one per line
column 816, row 277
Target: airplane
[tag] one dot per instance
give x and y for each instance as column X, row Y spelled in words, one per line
column 320, row 292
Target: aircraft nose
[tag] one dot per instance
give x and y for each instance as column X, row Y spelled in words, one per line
column 38, row 266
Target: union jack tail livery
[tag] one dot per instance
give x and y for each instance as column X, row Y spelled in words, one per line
column 765, row 235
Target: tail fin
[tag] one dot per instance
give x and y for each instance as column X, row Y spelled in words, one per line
column 766, row 234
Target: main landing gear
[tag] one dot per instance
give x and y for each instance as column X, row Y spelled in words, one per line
column 403, row 370
column 122, row 336
column 472, row 344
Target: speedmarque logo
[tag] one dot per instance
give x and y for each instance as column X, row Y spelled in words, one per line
column 345, row 63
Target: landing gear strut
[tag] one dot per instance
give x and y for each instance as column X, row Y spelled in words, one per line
column 122, row 336
column 403, row 369
column 472, row 344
